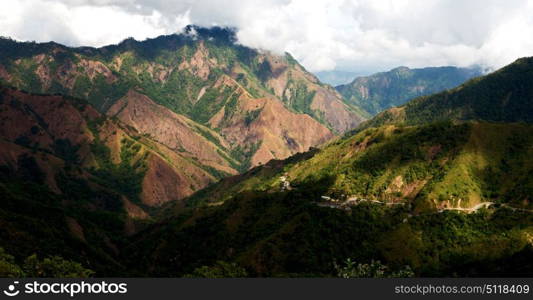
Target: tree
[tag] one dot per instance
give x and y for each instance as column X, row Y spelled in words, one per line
column 8, row 267
column 375, row 269
column 221, row 269
column 54, row 266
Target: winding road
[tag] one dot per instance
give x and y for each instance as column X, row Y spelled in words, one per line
column 471, row 209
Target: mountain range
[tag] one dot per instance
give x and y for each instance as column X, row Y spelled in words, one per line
column 403, row 190
column 381, row 91
column 189, row 154
column 222, row 106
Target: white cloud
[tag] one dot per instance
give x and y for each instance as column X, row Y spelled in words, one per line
column 358, row 35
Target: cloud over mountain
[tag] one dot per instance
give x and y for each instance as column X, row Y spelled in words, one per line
column 358, row 35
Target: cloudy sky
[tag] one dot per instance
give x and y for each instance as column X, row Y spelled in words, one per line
column 362, row 36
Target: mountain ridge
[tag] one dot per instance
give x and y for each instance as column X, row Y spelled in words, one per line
column 201, row 74
column 512, row 102
column 383, row 90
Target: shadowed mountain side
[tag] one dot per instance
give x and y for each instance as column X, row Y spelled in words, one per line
column 92, row 147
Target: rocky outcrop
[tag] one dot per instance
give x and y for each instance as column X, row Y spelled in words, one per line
column 324, row 101
column 279, row 132
column 175, row 131
column 267, row 124
column 200, row 94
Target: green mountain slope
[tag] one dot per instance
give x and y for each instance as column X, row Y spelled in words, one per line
column 406, row 188
column 428, row 149
column 448, row 196
column 381, row 91
column 285, row 235
column 434, row 166
column 502, row 96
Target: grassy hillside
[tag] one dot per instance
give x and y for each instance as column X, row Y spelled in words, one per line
column 433, row 166
column 289, row 234
column 402, row 196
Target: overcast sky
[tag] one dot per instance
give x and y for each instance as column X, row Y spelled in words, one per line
column 354, row 35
